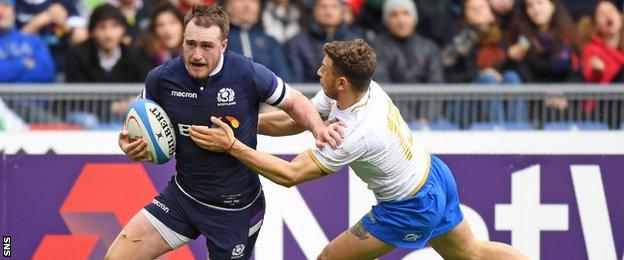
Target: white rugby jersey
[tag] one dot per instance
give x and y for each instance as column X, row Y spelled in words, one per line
column 379, row 146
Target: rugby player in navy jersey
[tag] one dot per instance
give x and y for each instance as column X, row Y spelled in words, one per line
column 418, row 204
column 211, row 194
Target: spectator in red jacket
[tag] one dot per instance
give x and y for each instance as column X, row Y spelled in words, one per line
column 603, row 58
column 603, row 55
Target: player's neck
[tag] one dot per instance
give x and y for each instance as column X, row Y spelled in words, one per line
column 349, row 98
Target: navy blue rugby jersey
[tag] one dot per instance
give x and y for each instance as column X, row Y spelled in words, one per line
column 233, row 91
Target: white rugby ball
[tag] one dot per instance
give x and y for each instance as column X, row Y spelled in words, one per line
column 146, row 119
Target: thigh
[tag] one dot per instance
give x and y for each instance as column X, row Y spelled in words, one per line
column 456, row 243
column 138, row 240
column 231, row 234
column 355, row 243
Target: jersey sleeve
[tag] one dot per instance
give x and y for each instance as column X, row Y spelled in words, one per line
column 149, row 92
column 329, row 160
column 322, row 103
column 271, row 89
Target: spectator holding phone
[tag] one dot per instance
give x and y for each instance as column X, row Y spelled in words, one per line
column 544, row 38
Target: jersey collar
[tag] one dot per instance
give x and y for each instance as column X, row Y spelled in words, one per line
column 218, row 68
column 360, row 104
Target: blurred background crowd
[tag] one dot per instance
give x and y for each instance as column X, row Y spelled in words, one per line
column 502, row 42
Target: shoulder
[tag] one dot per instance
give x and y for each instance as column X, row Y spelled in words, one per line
column 271, row 41
column 167, row 69
column 381, row 41
column 236, row 65
column 592, row 47
column 299, row 38
column 231, row 58
column 424, row 42
column 83, row 51
column 29, row 37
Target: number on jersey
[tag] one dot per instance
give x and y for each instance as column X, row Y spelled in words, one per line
column 397, row 125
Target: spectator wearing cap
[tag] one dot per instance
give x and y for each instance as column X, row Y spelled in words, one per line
column 403, row 55
column 305, row 50
column 246, row 37
column 103, row 58
column 23, row 57
column 58, row 22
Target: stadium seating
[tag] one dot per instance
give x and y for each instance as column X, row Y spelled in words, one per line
column 438, row 125
column 575, row 125
column 499, row 126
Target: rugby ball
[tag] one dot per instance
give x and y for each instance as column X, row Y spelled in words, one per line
column 146, row 119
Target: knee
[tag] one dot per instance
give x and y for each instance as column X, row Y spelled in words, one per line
column 467, row 251
column 512, row 77
column 486, row 79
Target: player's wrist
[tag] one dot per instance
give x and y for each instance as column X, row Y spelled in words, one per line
column 230, row 148
column 317, row 130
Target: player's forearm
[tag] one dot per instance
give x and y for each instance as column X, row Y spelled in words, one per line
column 304, row 114
column 269, row 166
column 278, row 123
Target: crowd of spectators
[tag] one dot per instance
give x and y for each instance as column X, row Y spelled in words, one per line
column 417, row 41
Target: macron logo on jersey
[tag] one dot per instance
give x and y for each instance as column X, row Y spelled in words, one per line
column 183, row 94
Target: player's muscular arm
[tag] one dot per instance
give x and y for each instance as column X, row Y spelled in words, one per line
column 284, row 173
column 278, row 123
column 288, row 174
column 301, row 110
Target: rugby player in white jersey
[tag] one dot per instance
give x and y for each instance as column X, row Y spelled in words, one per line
column 416, row 193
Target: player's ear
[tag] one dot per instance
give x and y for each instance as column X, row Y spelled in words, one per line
column 224, row 45
column 343, row 83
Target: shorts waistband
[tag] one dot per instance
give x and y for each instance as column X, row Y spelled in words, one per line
column 424, row 179
column 214, row 206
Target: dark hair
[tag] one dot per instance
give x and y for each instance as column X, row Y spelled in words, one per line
column 593, row 21
column 164, row 8
column 561, row 25
column 493, row 35
column 209, row 15
column 355, row 59
column 149, row 41
column 106, row 12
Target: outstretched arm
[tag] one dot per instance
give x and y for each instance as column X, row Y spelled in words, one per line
column 303, row 113
column 300, row 169
column 278, row 123
column 298, row 115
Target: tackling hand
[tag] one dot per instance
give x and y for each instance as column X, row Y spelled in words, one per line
column 331, row 134
column 213, row 139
